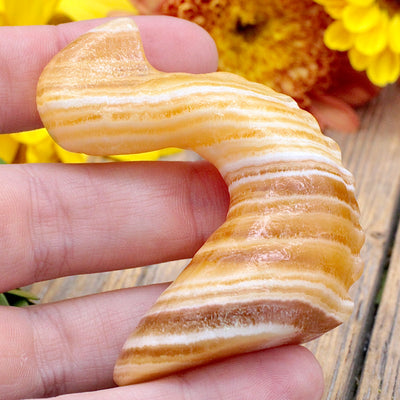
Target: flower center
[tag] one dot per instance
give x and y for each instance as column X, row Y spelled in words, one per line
column 277, row 42
column 248, row 31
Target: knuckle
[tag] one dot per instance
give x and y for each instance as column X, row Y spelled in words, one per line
column 47, row 227
column 52, row 353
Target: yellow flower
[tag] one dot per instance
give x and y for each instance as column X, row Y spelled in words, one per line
column 78, row 10
column 37, row 145
column 369, row 30
column 39, row 12
column 275, row 42
column 8, row 148
column 281, row 43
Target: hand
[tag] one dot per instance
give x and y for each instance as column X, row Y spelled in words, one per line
column 58, row 220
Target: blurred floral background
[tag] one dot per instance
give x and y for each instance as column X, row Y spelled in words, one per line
column 331, row 56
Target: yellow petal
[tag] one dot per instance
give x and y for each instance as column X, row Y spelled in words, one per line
column 88, row 9
column 169, row 151
column 149, row 156
column 337, row 37
column 8, row 148
column 384, row 68
column 29, row 12
column 335, row 12
column 361, row 3
column 374, row 40
column 31, row 137
column 361, row 19
column 41, row 152
column 394, row 33
column 333, row 7
column 2, row 13
column 69, row 157
column 358, row 61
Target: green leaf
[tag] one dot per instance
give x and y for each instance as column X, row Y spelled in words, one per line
column 17, row 298
column 21, row 303
column 2, row 161
column 3, row 300
column 23, row 293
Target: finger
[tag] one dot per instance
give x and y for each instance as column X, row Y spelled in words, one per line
column 67, row 346
column 72, row 346
column 62, row 220
column 170, row 44
column 289, row 373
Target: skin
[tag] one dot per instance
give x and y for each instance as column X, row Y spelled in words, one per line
column 72, row 219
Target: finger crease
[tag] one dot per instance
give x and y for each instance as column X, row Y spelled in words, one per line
column 48, row 226
column 53, row 365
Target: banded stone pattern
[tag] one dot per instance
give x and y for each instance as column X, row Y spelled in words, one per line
column 279, row 269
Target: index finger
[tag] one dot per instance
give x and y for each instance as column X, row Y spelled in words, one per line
column 170, row 44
